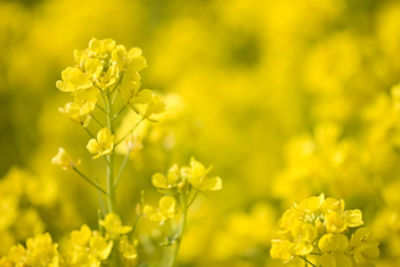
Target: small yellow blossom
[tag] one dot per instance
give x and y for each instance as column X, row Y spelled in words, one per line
column 166, row 210
column 128, row 249
column 103, row 145
column 113, row 226
column 73, row 111
column 196, row 175
column 87, row 248
column 63, row 159
column 73, row 80
column 172, row 178
column 363, row 247
column 101, row 48
column 40, row 251
column 318, row 225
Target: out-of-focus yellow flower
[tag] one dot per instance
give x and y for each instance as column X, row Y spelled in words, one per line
column 128, row 249
column 316, row 220
column 113, row 226
column 87, row 248
column 196, row 175
column 168, row 181
column 100, row 247
column 103, row 145
column 40, row 251
column 282, row 249
column 73, row 111
column 166, row 210
column 73, row 80
column 101, row 48
column 363, row 247
column 63, row 159
column 333, row 247
column 154, row 104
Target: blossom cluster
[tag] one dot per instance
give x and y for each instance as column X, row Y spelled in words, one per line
column 320, row 230
column 84, row 247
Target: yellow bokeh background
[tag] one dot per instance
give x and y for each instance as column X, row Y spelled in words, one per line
column 286, row 99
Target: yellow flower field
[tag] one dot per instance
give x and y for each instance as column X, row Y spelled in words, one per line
column 200, row 133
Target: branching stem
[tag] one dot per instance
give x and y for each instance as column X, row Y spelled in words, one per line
column 90, row 181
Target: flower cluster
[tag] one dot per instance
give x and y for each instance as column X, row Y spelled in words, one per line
column 84, row 247
column 182, row 183
column 105, row 67
column 193, row 176
column 180, row 187
column 322, row 230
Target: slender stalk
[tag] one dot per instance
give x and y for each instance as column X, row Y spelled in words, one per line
column 181, row 229
column 307, row 261
column 89, row 132
column 101, row 108
column 97, row 121
column 90, row 181
column 110, row 158
column 121, row 169
column 119, row 112
column 130, row 131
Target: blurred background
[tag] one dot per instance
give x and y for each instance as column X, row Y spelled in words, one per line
column 286, row 99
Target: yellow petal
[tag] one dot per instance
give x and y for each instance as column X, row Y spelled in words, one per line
column 212, row 184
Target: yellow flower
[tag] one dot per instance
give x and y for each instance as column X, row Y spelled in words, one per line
column 196, row 175
column 136, row 62
column 154, row 106
column 103, row 145
column 333, row 243
column 100, row 247
column 93, row 67
column 40, row 251
column 161, row 181
column 333, row 247
column 109, row 78
column 331, row 204
column 81, row 237
column 101, row 48
column 118, row 56
column 86, row 101
column 63, row 159
column 73, row 111
column 335, row 222
column 127, row 248
column 353, row 218
column 363, row 247
column 113, row 226
column 282, row 249
column 130, row 85
column 303, row 231
column 317, row 224
column 312, row 204
column 145, row 96
column 73, row 79
column 87, row 248
column 166, row 210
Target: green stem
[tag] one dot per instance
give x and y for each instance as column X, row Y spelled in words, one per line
column 89, row 132
column 90, row 181
column 130, row 131
column 121, row 169
column 181, row 229
column 110, row 158
column 97, row 121
column 307, row 261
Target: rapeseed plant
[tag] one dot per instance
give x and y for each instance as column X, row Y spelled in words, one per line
column 106, row 78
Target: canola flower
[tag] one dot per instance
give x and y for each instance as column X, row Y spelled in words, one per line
column 105, row 81
column 349, row 67
column 320, row 231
